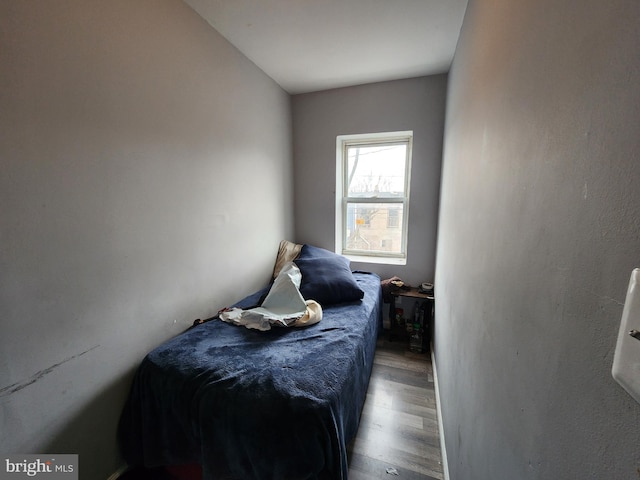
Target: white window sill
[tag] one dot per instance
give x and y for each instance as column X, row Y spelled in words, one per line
column 378, row 260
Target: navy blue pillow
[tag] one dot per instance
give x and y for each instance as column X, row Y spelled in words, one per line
column 309, row 251
column 326, row 277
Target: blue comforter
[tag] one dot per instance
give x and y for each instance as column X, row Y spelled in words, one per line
column 246, row 404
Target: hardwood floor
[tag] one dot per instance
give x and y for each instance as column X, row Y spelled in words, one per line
column 398, row 432
column 399, row 428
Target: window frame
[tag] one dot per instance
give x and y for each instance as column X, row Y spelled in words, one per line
column 343, row 142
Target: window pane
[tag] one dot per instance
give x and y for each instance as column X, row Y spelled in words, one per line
column 376, row 171
column 374, row 227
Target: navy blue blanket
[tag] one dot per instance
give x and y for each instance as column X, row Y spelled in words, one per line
column 245, row 404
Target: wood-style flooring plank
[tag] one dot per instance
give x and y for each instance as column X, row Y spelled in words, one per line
column 398, row 430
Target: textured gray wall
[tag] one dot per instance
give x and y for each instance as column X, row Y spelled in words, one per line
column 416, row 104
column 146, row 181
column 539, row 232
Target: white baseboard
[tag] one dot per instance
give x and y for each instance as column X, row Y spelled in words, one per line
column 115, row 475
column 443, row 445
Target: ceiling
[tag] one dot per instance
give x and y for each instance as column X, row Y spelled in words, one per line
column 311, row 45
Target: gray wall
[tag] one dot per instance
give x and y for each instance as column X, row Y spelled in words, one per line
column 146, row 181
column 416, row 104
column 539, row 232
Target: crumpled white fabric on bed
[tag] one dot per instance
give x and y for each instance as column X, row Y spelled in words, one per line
column 283, row 306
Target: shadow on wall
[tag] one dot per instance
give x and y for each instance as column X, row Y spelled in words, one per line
column 85, row 433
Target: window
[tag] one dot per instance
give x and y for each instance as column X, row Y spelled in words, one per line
column 393, row 221
column 372, row 196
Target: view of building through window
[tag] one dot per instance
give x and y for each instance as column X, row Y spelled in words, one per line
column 374, row 227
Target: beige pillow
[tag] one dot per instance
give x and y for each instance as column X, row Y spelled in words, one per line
column 287, row 252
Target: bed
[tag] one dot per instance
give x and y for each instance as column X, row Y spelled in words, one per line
column 267, row 405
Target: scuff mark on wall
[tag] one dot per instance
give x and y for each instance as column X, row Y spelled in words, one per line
column 16, row 387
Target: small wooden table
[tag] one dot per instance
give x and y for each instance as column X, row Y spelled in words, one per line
column 399, row 331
